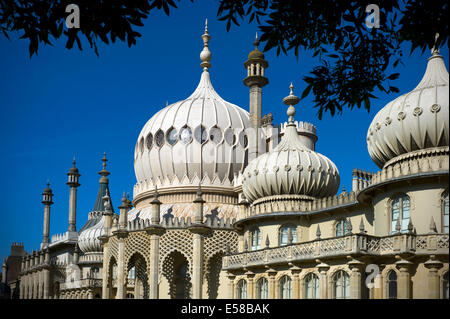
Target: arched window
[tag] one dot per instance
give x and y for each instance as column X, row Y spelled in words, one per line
column 285, row 287
column 262, row 288
column 445, row 285
column 445, row 211
column 255, row 239
column 242, row 289
column 400, row 213
column 311, row 286
column 284, row 234
column 342, row 228
column 341, row 285
column 392, row 285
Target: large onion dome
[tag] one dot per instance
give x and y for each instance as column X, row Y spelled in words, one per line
column 291, row 168
column 199, row 138
column 414, row 121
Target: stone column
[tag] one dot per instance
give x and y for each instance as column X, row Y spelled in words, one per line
column 296, row 282
column 323, row 287
column 231, row 287
column 199, row 230
column 46, row 278
column 355, row 279
column 155, row 231
column 250, row 285
column 271, row 273
column 433, row 266
column 47, row 197
column 197, row 265
column 121, row 268
column 105, row 270
column 404, row 279
column 122, row 234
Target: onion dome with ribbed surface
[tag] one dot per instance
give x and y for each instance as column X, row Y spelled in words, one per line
column 414, row 121
column 291, row 168
column 199, row 138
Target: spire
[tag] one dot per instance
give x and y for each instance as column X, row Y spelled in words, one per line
column 291, row 100
column 256, row 43
column 103, row 188
column 436, row 73
column 205, row 55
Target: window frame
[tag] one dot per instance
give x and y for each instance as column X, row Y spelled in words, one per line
column 293, row 232
column 242, row 283
column 260, row 283
column 311, row 277
column 281, row 282
column 400, row 197
column 345, row 283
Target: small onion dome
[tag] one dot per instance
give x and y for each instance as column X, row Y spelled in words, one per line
column 47, row 190
column 291, row 168
column 256, row 54
column 414, row 121
column 88, row 236
column 73, row 169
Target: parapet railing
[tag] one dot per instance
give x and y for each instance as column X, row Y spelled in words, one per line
column 352, row 244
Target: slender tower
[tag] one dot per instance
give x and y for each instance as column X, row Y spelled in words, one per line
column 47, row 197
column 255, row 80
column 73, row 178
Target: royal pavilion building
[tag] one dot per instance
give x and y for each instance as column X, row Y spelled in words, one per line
column 229, row 205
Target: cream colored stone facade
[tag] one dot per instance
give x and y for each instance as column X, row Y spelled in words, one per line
column 201, row 237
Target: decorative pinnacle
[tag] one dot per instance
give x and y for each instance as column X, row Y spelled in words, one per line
column 155, row 197
column 256, row 43
column 291, row 100
column 205, row 55
column 104, row 172
column 435, row 50
column 107, row 202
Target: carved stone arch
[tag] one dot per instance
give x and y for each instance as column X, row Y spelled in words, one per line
column 313, row 272
column 141, row 278
column 385, row 277
column 177, row 269
column 212, row 274
column 331, row 275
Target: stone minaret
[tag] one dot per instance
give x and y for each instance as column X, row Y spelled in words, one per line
column 73, row 179
column 255, row 80
column 47, row 197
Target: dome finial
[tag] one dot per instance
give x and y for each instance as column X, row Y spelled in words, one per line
column 435, row 49
column 104, row 172
column 291, row 100
column 205, row 55
column 256, row 43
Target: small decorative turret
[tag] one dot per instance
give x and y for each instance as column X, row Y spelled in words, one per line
column 318, row 233
column 255, row 80
column 124, row 208
column 73, row 182
column 349, row 226
column 47, row 197
column 267, row 241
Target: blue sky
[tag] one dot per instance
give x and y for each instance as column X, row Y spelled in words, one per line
column 62, row 104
